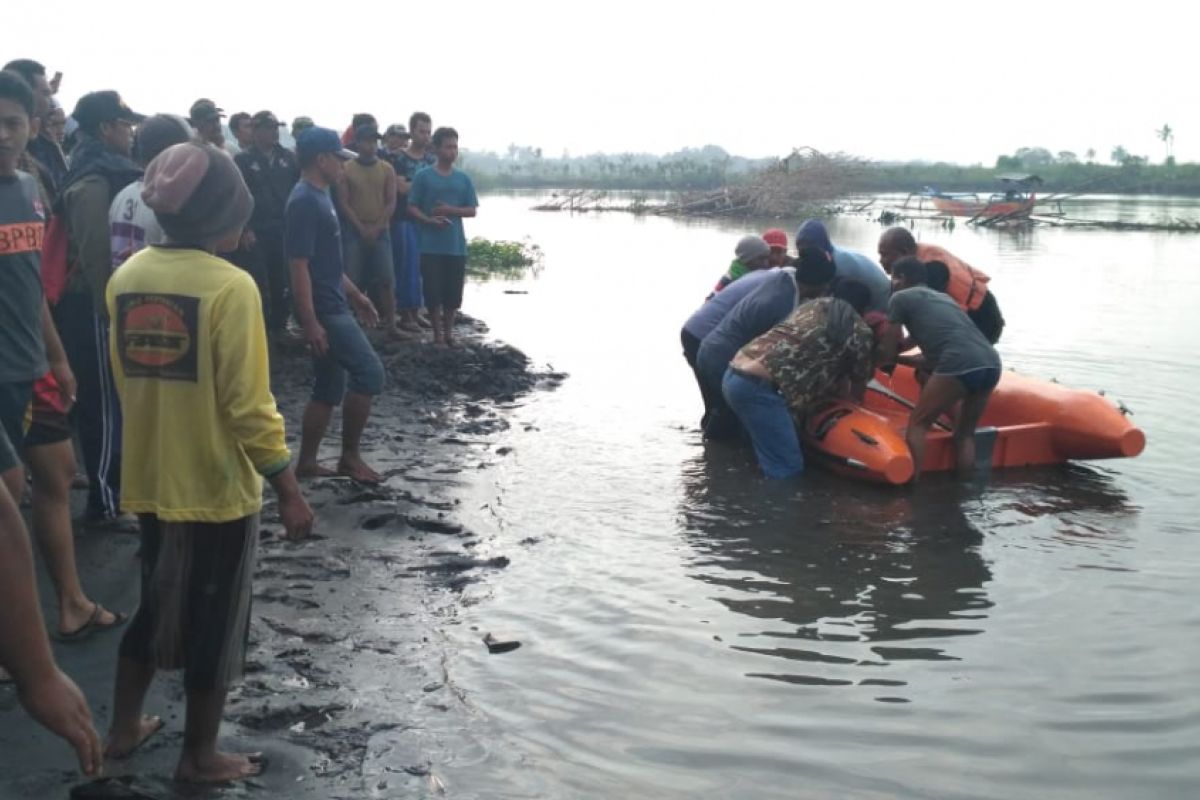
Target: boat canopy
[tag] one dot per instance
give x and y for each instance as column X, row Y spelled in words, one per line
column 1023, row 181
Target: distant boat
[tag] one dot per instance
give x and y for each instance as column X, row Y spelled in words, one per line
column 1015, row 200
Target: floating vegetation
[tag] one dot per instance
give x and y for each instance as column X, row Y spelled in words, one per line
column 487, row 259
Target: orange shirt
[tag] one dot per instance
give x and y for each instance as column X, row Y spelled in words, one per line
column 968, row 286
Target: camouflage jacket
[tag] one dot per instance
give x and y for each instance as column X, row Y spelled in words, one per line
column 805, row 365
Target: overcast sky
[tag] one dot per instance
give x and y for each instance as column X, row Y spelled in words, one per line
column 953, row 81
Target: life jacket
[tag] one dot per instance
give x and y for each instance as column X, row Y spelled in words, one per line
column 968, row 286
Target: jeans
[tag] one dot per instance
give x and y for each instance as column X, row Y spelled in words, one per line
column 97, row 411
column 349, row 353
column 768, row 420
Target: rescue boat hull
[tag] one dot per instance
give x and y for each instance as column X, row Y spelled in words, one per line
column 1028, row 422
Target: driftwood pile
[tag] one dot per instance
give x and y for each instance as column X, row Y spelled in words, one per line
column 805, row 183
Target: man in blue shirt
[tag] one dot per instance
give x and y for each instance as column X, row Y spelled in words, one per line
column 408, row 151
column 321, row 289
column 851, row 266
column 758, row 312
column 440, row 198
column 707, row 317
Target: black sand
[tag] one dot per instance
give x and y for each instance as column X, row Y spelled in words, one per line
column 345, row 664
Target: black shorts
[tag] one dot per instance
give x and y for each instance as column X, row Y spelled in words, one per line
column 442, row 279
column 979, row 381
column 48, row 419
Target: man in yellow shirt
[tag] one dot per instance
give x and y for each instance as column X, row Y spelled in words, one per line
column 366, row 196
column 190, row 361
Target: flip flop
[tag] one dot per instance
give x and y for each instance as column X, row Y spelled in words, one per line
column 93, row 625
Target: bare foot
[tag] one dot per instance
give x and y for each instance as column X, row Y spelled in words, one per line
column 314, row 470
column 219, row 768
column 122, row 744
column 357, row 469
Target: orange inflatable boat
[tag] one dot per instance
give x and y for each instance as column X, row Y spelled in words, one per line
column 1027, row 422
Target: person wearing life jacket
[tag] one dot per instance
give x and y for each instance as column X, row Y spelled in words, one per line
column 968, row 286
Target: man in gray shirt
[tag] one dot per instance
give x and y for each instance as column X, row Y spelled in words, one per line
column 965, row 367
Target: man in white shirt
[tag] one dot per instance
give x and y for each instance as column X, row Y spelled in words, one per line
column 131, row 223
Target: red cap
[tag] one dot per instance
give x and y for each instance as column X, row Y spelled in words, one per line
column 776, row 238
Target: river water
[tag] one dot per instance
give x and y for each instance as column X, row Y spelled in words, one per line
column 691, row 630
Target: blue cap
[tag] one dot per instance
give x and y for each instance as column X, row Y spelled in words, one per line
column 314, row 141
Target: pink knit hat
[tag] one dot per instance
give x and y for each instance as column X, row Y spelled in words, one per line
column 197, row 194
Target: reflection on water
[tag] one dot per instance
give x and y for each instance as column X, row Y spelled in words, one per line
column 866, row 578
column 691, row 630
column 844, row 581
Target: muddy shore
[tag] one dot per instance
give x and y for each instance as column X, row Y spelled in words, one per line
column 345, row 690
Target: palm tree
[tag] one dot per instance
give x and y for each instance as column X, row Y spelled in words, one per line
column 1167, row 137
column 1091, row 154
column 1119, row 155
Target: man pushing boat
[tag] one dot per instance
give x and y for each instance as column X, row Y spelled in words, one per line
column 968, row 285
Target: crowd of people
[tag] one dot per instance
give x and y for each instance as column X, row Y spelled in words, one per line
column 781, row 335
column 148, row 264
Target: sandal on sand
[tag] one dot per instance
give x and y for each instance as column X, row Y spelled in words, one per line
column 93, row 625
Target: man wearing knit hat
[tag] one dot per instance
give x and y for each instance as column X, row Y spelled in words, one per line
column 753, row 316
column 202, row 430
column 750, row 254
column 323, row 295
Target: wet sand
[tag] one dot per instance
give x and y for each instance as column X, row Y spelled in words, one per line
column 345, row 690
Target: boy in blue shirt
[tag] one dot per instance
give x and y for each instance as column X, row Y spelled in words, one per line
column 440, row 197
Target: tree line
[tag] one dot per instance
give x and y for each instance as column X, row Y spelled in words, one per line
column 711, row 167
